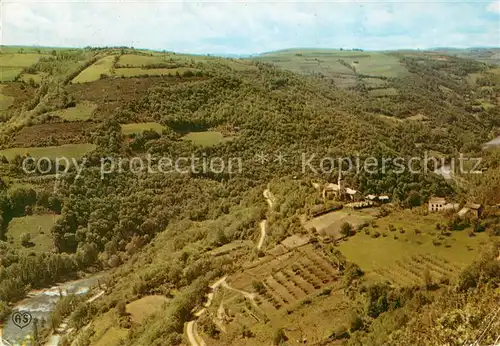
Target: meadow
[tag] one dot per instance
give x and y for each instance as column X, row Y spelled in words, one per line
column 137, row 128
column 38, row 227
column 81, row 112
column 94, row 71
column 66, row 150
column 11, row 65
column 207, row 138
column 401, row 246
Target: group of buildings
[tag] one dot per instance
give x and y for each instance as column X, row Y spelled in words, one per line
column 441, row 204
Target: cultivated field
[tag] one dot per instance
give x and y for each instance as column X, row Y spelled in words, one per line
column 38, row 227
column 287, row 278
column 207, row 138
column 94, row 72
column 401, row 253
column 329, row 224
column 136, row 60
column 66, row 150
column 11, row 65
column 336, row 62
column 81, row 112
column 137, row 128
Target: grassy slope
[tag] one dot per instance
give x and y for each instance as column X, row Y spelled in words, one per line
column 38, row 226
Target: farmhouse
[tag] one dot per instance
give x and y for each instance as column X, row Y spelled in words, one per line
column 440, row 204
column 471, row 209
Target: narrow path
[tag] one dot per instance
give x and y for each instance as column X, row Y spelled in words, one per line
column 263, row 232
column 263, row 224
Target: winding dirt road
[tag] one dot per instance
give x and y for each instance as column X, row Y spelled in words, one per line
column 263, row 224
column 194, row 338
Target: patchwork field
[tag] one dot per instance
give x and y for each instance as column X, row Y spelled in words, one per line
column 336, row 62
column 39, row 229
column 11, row 65
column 94, row 72
column 287, row 278
column 66, row 150
column 137, row 128
column 400, row 253
column 136, row 60
column 81, row 112
column 207, row 138
column 292, row 288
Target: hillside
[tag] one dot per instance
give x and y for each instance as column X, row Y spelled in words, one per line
column 258, row 139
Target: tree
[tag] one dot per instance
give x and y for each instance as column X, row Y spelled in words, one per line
column 280, row 336
column 25, row 239
column 346, row 229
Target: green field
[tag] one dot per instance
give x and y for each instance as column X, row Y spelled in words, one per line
column 5, row 100
column 135, row 60
column 18, row 60
column 82, row 112
column 26, row 77
column 8, row 74
column 326, row 61
column 206, row 139
column 402, row 257
column 137, row 128
column 38, row 226
column 138, row 71
column 11, row 65
column 142, row 308
column 94, row 72
column 66, row 150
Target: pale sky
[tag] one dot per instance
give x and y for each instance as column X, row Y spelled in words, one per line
column 251, row 27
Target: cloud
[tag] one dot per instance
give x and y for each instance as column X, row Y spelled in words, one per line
column 493, row 7
column 249, row 27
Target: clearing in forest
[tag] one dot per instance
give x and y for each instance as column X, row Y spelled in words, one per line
column 38, row 227
column 66, row 150
column 206, row 138
column 81, row 112
column 142, row 308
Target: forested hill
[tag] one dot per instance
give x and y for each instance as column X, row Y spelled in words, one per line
column 123, row 103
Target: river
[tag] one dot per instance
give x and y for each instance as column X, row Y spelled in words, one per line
column 41, row 303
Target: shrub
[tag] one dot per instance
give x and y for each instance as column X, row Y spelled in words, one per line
column 280, row 336
column 346, row 229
